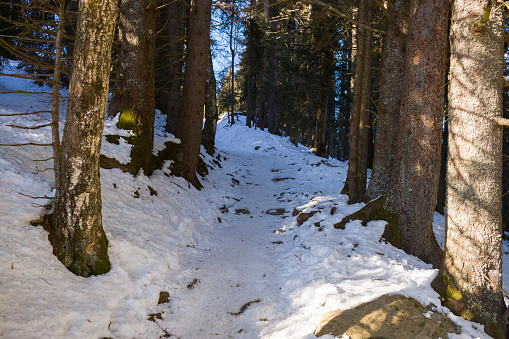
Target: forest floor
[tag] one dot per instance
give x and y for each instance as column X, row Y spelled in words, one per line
column 229, row 261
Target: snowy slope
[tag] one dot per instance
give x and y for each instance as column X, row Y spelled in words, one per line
column 215, row 251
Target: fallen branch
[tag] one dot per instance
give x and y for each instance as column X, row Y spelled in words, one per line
column 46, row 281
column 245, row 306
column 43, row 159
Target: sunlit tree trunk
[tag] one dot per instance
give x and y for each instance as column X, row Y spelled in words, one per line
column 472, row 265
column 78, row 239
column 414, row 181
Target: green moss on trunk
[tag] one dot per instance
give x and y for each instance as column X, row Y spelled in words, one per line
column 375, row 210
column 82, row 264
column 142, row 146
column 460, row 303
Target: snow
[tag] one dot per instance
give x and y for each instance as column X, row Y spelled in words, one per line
column 164, row 235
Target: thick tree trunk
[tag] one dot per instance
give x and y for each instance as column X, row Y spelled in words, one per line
column 176, row 30
column 189, row 129
column 135, row 97
column 391, row 87
column 473, row 249
column 359, row 116
column 414, row 182
column 209, row 129
column 79, row 240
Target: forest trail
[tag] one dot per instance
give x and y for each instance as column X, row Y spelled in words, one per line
column 240, row 267
column 237, row 269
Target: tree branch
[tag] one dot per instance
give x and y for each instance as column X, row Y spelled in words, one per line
column 23, row 127
column 481, row 23
column 27, row 144
column 344, row 16
column 16, row 114
column 501, row 121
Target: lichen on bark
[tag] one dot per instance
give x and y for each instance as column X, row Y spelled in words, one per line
column 77, row 235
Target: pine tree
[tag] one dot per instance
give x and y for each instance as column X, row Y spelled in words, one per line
column 391, row 88
column 414, row 181
column 189, row 129
column 211, row 114
column 359, row 117
column 471, row 271
column 135, row 95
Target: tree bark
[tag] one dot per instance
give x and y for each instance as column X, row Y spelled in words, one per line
column 414, row 182
column 321, row 118
column 391, row 87
column 473, row 249
column 359, row 118
column 211, row 114
column 189, row 129
column 250, row 99
column 55, row 95
column 273, row 65
column 176, row 13
column 442, row 183
column 135, row 96
column 79, row 240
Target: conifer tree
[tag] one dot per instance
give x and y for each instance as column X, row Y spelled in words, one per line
column 471, row 271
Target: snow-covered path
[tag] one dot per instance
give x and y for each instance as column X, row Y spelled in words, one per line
column 237, row 265
column 241, row 262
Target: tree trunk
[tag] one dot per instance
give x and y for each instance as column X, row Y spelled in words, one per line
column 271, row 94
column 232, row 67
column 211, row 115
column 260, row 114
column 79, row 240
column 135, row 97
column 473, row 249
column 359, row 116
column 176, row 30
column 250, row 100
column 440, row 208
column 55, row 95
column 321, row 118
column 343, row 126
column 414, row 181
column 189, row 129
column 391, row 87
